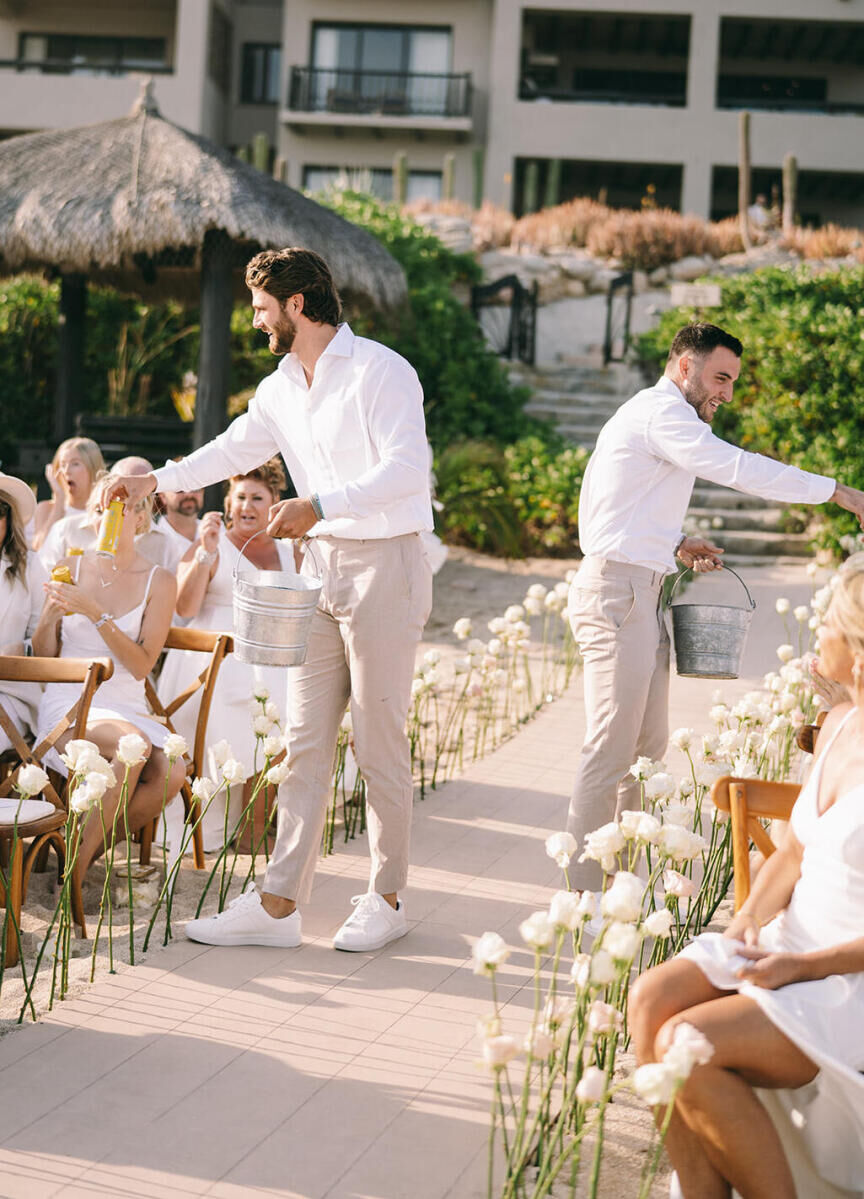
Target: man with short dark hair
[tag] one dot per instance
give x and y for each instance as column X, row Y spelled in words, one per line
column 346, row 413
column 631, row 511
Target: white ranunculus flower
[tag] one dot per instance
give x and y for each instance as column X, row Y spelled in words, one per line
column 31, row 780
column 689, row 1048
column 538, row 1044
column 622, row 941
column 643, row 768
column 271, row 711
column 680, row 843
column 785, row 653
column 533, row 607
column 514, row 614
column 497, row 626
column 604, row 1018
column 432, row 657
column 462, row 628
column 558, row 1011
column 675, row 883
column 603, row 844
column 97, row 784
column 537, row 591
column 655, row 1083
column 591, row 1087
column 561, row 847
column 418, row 686
column 580, row 971
column 682, row 739
column 554, row 602
column 203, row 789
column 488, row 1026
column 623, row 900
column 271, row 746
column 719, row 713
column 175, row 746
column 489, row 952
column 476, row 646
column 640, row 825
column 538, row 931
column 498, row 1051
column 74, row 751
column 603, row 968
column 659, row 923
column 82, row 799
column 802, row 613
column 660, row 786
column 676, row 813
column 261, row 725
column 812, row 569
column 782, row 605
column 587, row 905
column 277, row 774
column 261, row 693
column 233, row 772
column 495, row 646
column 564, row 910
column 131, row 749
column 221, row 752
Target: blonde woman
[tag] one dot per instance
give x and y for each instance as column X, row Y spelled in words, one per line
column 119, row 608
column 21, row 598
column 780, row 994
column 76, row 465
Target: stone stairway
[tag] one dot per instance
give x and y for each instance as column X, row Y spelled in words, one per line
column 579, row 397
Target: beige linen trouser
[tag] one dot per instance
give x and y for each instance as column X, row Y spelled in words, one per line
column 376, row 598
column 620, row 627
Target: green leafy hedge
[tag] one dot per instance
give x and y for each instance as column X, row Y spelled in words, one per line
column 799, row 396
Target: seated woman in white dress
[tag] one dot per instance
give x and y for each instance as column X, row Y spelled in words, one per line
column 76, row 466
column 21, row 599
column 204, row 598
column 781, row 993
column 120, row 608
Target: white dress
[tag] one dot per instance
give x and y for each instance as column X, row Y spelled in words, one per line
column 824, row 1017
column 21, row 603
column 121, row 697
column 231, row 711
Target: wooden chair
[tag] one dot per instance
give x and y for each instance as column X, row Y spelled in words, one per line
column 749, row 802
column 806, row 736
column 46, row 830
column 217, row 645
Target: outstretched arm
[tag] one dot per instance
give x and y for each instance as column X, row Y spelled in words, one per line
column 851, row 499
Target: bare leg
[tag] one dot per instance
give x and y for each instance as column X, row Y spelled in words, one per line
column 718, row 1102
column 655, row 998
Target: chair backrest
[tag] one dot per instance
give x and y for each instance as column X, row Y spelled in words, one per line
column 805, row 737
column 749, row 802
column 50, row 670
column 217, row 645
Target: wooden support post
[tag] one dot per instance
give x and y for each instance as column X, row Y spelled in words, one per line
column 531, row 187
column 214, row 362
column 744, row 178
column 553, row 183
column 261, row 152
column 69, row 389
column 447, row 177
column 478, row 164
column 790, row 193
column 400, row 178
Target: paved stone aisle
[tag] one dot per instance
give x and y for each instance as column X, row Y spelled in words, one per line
column 309, row 1073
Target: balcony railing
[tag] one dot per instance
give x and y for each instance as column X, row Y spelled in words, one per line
column 67, row 66
column 385, row 93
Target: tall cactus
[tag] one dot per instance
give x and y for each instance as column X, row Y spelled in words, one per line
column 400, row 178
column 790, row 193
column 744, row 178
column 261, row 152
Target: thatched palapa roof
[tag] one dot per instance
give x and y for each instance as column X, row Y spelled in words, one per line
column 129, row 201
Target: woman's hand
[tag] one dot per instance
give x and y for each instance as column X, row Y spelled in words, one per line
column 832, row 692
column 744, row 928
column 57, row 493
column 65, row 598
column 772, row 970
column 208, row 532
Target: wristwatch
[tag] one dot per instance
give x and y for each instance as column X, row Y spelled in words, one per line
column 204, row 557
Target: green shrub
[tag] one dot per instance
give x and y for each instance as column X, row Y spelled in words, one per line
column 798, row 396
column 524, row 500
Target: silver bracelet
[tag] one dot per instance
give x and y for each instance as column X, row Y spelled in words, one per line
column 316, row 505
column 105, row 618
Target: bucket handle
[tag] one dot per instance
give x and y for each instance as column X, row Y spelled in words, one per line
column 307, row 541
column 688, row 570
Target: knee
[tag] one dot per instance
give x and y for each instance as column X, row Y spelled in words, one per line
column 646, row 1010
column 176, row 776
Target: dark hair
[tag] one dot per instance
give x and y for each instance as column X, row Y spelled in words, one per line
column 291, row 272
column 14, row 547
column 702, row 339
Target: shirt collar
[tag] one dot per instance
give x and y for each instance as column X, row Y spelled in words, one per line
column 664, row 383
column 340, row 346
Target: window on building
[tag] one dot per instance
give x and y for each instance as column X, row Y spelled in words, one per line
column 259, row 73
column 378, row 181
column 79, row 54
column 395, row 69
column 219, row 49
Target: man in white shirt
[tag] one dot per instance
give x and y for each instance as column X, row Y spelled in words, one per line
column 180, row 522
column 346, row 413
column 631, row 510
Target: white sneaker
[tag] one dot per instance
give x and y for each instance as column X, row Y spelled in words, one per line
column 245, row 922
column 372, row 924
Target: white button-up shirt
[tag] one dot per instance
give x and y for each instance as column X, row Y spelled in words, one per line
column 357, row 437
column 640, row 478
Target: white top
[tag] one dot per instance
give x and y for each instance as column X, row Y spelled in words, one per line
column 177, row 544
column 357, row 437
column 74, row 529
column 640, row 478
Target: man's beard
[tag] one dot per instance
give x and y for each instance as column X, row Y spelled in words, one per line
column 282, row 335
column 697, row 395
column 188, row 506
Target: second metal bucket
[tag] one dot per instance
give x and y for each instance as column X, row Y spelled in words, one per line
column 710, row 638
column 273, row 611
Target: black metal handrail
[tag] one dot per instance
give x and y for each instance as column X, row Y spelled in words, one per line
column 388, row 93
column 791, row 105
column 515, row 335
column 616, row 338
column 64, row 66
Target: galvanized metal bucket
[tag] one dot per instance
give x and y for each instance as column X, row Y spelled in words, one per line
column 273, row 611
column 710, row 638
